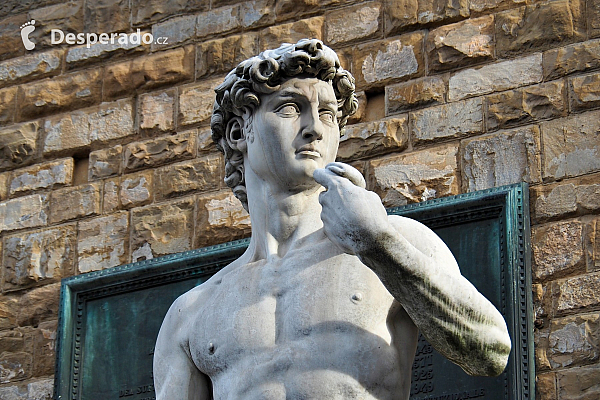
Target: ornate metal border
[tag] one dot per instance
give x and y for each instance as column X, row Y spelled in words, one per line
column 508, row 203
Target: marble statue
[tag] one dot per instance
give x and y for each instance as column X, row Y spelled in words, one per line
column 328, row 299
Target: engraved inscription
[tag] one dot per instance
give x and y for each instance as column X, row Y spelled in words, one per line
column 422, row 369
column 469, row 394
column 146, row 390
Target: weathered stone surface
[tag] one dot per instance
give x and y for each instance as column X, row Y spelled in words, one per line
column 573, row 58
column 42, row 176
column 501, row 159
column 106, row 16
column 372, row 138
column 577, row 293
column 18, row 144
column 146, row 11
column 545, row 386
column 162, row 150
column 571, row 146
column 31, row 66
column 593, row 245
column 196, row 102
column 156, row 110
column 399, row 14
column 24, row 212
column 546, row 100
column 74, row 202
column 579, row 383
column 76, row 90
column 202, row 175
column 68, row 17
column 136, row 189
column 205, row 143
column 448, row 120
column 4, row 179
column 94, row 125
column 584, row 91
column 296, row 9
column 103, row 242
column 257, row 13
column 222, row 55
column 8, row 311
column 97, row 52
column 105, row 162
column 39, row 305
column 41, row 390
column 482, row 5
column 149, row 72
column 272, row 37
column 15, row 367
column 8, row 104
column 438, row 10
column 110, row 199
column 403, row 13
column 463, row 43
column 574, row 340
column 353, row 23
column 44, row 344
column 593, row 18
column 579, row 196
column 162, row 229
column 176, row 30
column 414, row 93
column 539, row 26
column 385, row 61
column 11, row 44
column 496, row 77
column 218, row 20
column 415, row 177
column 221, row 218
column 557, row 249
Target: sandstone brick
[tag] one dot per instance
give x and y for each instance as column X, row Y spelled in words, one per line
column 593, row 18
column 496, row 77
column 221, row 218
column 557, row 249
column 156, row 110
column 8, row 105
column 4, row 179
column 18, row 144
column 218, row 20
column 584, row 91
column 136, row 189
column 545, row 386
column 145, row 12
column 539, row 26
column 496, row 5
column 103, row 242
column 205, row 143
column 222, row 55
column 572, row 58
column 105, row 162
column 11, row 44
column 578, row 196
column 546, row 100
column 372, row 138
column 15, row 367
column 295, row 9
column 353, row 23
column 149, row 72
column 68, row 17
column 447, row 120
column 8, row 311
column 162, row 229
column 39, row 305
column 462, row 43
column 38, row 257
column 44, row 355
column 399, row 14
column 573, row 340
column 29, row 67
column 416, row 176
column 74, row 202
column 42, row 176
column 501, row 159
column 378, row 63
column 403, row 13
column 97, row 52
column 42, row 389
column 257, row 13
column 107, row 16
column 414, row 93
column 176, row 30
column 24, row 212
column 593, row 244
column 13, row 341
column 202, row 175
column 76, row 90
column 110, row 193
column 439, row 10
column 577, row 293
column 579, row 383
column 196, row 102
column 81, row 128
column 273, row 36
column 159, row 151
column 571, row 147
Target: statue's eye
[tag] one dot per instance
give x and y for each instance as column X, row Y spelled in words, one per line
column 289, row 109
column 327, row 116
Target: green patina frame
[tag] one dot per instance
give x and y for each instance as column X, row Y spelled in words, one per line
column 499, row 215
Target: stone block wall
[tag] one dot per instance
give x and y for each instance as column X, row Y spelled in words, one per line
column 106, row 156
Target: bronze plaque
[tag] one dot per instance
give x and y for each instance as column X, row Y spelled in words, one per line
column 109, row 320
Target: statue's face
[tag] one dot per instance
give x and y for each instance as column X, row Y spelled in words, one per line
column 295, row 131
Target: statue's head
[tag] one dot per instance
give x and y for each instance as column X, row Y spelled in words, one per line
column 239, row 96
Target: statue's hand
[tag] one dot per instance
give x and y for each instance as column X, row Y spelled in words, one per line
column 353, row 217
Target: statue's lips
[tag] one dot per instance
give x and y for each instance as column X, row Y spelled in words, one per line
column 308, row 151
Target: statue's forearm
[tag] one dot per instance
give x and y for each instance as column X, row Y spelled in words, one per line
column 456, row 319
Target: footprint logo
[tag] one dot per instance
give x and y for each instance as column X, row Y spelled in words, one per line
column 26, row 30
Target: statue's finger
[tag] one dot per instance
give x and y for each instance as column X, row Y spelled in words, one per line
column 348, row 172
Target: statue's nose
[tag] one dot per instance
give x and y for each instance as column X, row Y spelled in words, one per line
column 314, row 128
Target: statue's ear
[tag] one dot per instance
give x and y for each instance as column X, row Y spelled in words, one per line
column 235, row 135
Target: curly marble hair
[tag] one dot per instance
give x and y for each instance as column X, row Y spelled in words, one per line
column 239, row 95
